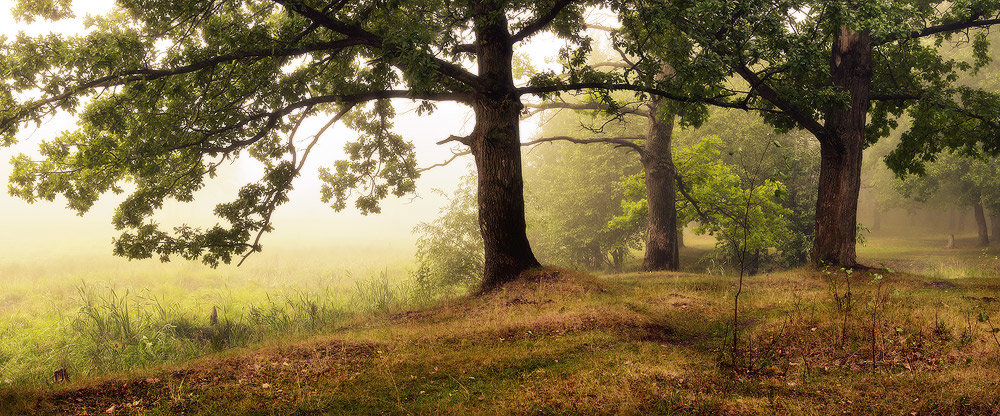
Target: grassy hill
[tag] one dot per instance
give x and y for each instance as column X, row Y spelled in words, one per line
column 640, row 343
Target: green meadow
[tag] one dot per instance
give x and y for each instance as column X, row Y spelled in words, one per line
column 323, row 334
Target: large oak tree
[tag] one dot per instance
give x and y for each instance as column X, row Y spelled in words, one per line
column 167, row 90
column 846, row 71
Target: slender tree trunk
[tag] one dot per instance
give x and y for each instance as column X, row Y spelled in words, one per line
column 658, row 164
column 841, row 152
column 877, row 218
column 618, row 256
column 680, row 237
column 595, row 257
column 495, row 144
column 995, row 219
column 961, row 220
column 981, row 228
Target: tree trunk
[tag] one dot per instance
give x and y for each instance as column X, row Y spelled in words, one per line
column 961, row 221
column 595, row 258
column 680, row 237
column 658, row 164
column 841, row 152
column 495, row 144
column 981, row 228
column 995, row 219
column 877, row 218
column 618, row 256
column 952, row 220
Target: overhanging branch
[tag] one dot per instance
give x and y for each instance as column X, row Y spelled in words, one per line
column 787, row 107
column 152, row 74
column 276, row 197
column 538, row 108
column 975, row 21
column 717, row 101
column 626, row 142
column 618, row 142
column 445, row 68
column 273, row 117
column 542, row 22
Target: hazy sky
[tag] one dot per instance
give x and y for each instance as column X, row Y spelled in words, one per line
column 46, row 228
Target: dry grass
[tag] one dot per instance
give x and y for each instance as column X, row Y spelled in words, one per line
column 642, row 343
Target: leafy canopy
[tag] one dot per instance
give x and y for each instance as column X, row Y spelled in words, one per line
column 779, row 53
column 168, row 90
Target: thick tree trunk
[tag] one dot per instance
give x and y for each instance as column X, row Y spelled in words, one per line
column 658, row 164
column 495, row 143
column 841, row 152
column 981, row 227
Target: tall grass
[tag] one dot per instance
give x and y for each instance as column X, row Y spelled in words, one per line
column 118, row 317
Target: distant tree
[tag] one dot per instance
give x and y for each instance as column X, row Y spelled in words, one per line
column 716, row 197
column 794, row 163
column 572, row 192
column 166, row 91
column 658, row 113
column 844, row 70
column 627, row 128
column 652, row 148
column 960, row 182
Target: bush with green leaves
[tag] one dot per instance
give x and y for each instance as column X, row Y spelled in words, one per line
column 736, row 204
column 450, row 248
column 572, row 191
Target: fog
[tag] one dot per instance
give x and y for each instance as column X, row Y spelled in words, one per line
column 48, row 229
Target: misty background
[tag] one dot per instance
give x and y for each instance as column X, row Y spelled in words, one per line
column 44, row 231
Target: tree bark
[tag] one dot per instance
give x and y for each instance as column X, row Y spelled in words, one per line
column 495, row 144
column 658, row 164
column 981, row 228
column 995, row 219
column 877, row 218
column 841, row 152
column 618, row 258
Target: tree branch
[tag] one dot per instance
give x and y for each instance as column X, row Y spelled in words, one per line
column 445, row 68
column 628, row 142
column 787, row 107
column 538, row 108
column 717, row 101
column 273, row 117
column 603, row 28
column 446, row 162
column 691, row 200
column 975, row 21
column 542, row 22
column 151, row 74
column 453, row 138
column 612, row 64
